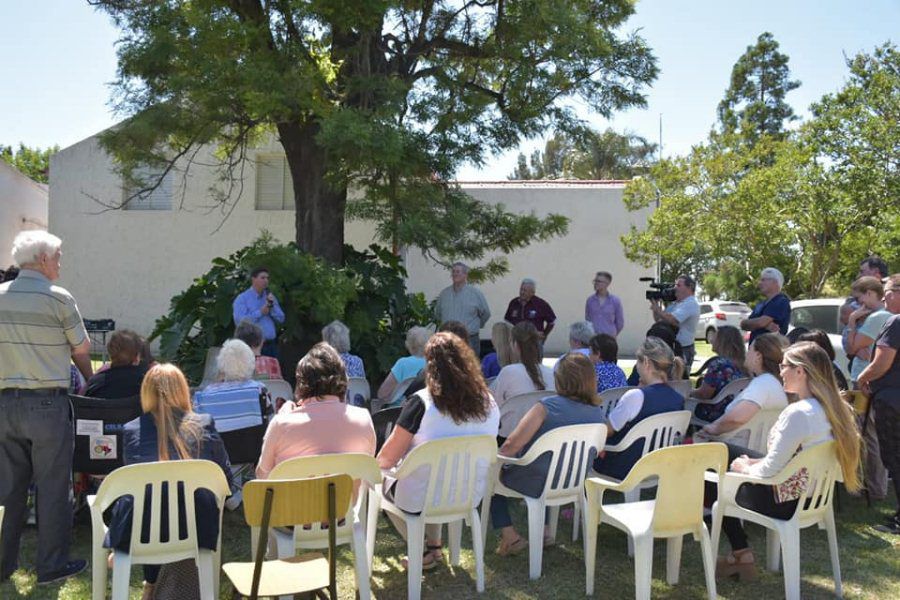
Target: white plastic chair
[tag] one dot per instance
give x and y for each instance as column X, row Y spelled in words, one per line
column 813, row 508
column 514, row 409
column 682, row 386
column 2, row 510
column 358, row 386
column 676, row 511
column 451, row 495
column 758, row 427
column 131, row 481
column 278, row 388
column 360, row 467
column 732, row 388
column 396, row 396
column 570, row 448
column 209, row 366
column 609, row 398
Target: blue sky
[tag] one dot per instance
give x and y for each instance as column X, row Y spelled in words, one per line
column 59, row 55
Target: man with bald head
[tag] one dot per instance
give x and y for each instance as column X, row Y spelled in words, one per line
column 529, row 307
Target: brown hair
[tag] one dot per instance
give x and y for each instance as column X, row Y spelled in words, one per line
column 729, row 343
column 605, row 346
column 124, row 346
column 576, row 378
column 525, row 336
column 321, row 373
column 166, row 396
column 661, row 358
column 453, row 377
column 823, row 387
column 820, row 337
column 771, row 349
column 457, row 328
column 868, row 284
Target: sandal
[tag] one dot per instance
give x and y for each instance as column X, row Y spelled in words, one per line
column 740, row 563
column 513, row 548
column 432, row 557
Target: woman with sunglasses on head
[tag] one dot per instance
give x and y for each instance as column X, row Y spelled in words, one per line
column 818, row 415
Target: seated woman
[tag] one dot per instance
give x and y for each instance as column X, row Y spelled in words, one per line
column 667, row 333
column 604, row 354
column 319, row 421
column 525, row 374
column 168, row 430
column 819, row 416
column 820, row 337
column 721, row 370
column 250, row 333
column 765, row 391
column 575, row 404
column 338, row 336
column 580, row 334
column 407, row 366
column 125, row 374
column 235, row 367
column 455, row 402
column 501, row 339
column 657, row 366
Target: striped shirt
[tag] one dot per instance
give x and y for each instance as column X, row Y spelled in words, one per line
column 39, row 326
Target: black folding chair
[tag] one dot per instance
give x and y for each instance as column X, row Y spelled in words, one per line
column 99, row 425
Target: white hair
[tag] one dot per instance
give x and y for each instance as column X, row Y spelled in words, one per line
column 581, row 332
column 236, row 361
column 337, row 335
column 30, row 245
column 416, row 339
column 529, row 281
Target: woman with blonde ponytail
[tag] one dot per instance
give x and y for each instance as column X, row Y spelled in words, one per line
column 819, row 415
column 168, row 430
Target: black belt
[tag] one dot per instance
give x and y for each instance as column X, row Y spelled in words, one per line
column 33, row 393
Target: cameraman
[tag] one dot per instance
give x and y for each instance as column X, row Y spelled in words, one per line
column 683, row 314
column 258, row 305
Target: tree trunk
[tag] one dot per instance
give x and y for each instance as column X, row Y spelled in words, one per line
column 319, row 206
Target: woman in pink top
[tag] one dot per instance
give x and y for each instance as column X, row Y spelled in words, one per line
column 318, row 421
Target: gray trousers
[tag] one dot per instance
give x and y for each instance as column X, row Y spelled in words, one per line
column 36, row 443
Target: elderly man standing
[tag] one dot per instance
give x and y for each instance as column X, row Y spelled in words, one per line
column 464, row 303
column 529, row 307
column 683, row 314
column 772, row 314
column 259, row 306
column 41, row 331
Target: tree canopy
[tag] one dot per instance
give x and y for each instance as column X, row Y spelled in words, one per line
column 386, row 97
column 31, row 162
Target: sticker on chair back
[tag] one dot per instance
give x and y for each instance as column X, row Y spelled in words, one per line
column 88, row 427
column 103, row 447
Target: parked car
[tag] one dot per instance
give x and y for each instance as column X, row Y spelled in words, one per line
column 824, row 314
column 718, row 313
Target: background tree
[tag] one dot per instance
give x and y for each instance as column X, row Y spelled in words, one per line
column 388, row 97
column 31, row 162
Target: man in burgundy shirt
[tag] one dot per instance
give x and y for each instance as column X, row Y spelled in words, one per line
column 528, row 307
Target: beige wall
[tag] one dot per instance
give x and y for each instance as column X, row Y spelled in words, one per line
column 126, row 265
column 23, row 205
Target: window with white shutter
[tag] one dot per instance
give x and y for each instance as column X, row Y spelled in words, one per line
column 274, row 186
column 160, row 198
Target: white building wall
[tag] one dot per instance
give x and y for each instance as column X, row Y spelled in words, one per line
column 23, row 205
column 126, row 265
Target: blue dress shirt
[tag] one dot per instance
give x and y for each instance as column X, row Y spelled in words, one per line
column 248, row 305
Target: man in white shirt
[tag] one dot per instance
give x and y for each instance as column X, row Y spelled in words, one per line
column 683, row 314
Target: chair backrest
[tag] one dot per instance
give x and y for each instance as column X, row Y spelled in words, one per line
column 658, row 431
column 359, row 392
column 571, row 459
column 823, row 470
column 99, row 424
column 680, row 483
column 400, row 391
column 355, row 464
column 278, row 388
column 295, row 500
column 682, row 386
column 732, row 388
column 758, row 428
column 513, row 410
column 609, row 398
column 162, row 478
column 209, row 366
column 454, row 465
column 383, row 421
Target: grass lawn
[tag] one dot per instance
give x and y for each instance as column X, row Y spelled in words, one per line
column 870, row 562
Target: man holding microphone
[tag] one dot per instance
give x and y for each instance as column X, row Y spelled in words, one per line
column 258, row 305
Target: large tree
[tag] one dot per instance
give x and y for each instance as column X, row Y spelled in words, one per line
column 387, row 97
column 31, row 162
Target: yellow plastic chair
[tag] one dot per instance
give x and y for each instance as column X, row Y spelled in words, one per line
column 732, row 388
column 570, row 449
column 676, row 511
column 758, row 427
column 281, row 503
column 610, row 397
column 452, row 494
column 814, row 508
column 131, row 481
column 361, row 467
column 515, row 408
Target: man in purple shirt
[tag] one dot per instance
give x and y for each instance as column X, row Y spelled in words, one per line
column 528, row 307
column 603, row 309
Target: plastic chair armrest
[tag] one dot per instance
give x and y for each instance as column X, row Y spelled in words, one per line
column 509, row 460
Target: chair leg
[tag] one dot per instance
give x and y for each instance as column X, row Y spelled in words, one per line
column 643, row 566
column 454, row 535
column 360, row 561
column 831, row 532
column 576, row 519
column 773, row 550
column 591, row 520
column 535, row 536
column 790, row 550
column 478, row 550
column 415, row 544
column 373, row 510
column 554, row 521
column 709, row 562
column 206, row 571
column 121, row 575
column 716, row 532
column 99, row 571
column 673, row 558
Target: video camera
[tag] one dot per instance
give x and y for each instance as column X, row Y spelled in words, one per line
column 664, row 292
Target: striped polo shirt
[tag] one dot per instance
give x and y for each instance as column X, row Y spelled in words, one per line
column 39, row 326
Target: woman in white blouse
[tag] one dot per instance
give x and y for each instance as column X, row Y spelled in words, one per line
column 820, row 415
column 526, row 374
